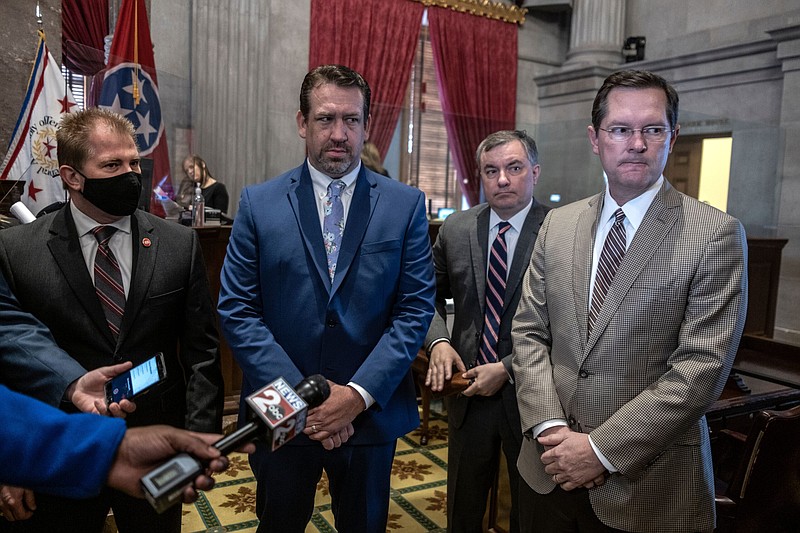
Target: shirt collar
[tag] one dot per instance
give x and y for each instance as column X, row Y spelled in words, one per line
column 634, row 209
column 85, row 224
column 516, row 221
column 321, row 181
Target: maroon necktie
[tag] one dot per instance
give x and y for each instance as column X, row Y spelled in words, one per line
column 108, row 279
column 495, row 291
column 610, row 258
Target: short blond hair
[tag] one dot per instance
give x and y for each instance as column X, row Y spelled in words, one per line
column 74, row 130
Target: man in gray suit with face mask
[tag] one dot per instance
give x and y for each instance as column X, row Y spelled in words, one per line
column 113, row 284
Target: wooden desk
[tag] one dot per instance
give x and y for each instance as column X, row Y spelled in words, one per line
column 765, row 358
column 214, row 242
column 735, row 408
column 763, row 273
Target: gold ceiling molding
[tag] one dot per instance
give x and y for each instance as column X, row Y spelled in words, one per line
column 481, row 8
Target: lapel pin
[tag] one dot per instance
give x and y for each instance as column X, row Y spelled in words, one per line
column 146, row 242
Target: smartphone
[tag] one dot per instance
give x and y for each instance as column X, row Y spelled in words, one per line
column 137, row 380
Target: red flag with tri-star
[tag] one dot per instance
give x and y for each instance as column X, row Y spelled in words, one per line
column 130, row 88
column 32, row 155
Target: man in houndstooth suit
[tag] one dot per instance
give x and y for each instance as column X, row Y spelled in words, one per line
column 613, row 415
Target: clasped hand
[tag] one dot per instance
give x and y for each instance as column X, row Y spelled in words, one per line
column 570, row 459
column 332, row 422
column 485, row 380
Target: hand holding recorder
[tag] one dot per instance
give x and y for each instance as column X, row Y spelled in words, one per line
column 279, row 414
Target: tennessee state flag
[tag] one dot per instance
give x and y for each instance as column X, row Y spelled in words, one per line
column 32, row 155
column 130, row 88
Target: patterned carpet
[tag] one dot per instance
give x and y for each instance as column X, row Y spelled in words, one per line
column 419, row 488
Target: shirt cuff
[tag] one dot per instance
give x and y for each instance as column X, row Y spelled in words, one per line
column 601, row 457
column 434, row 343
column 547, row 424
column 367, row 397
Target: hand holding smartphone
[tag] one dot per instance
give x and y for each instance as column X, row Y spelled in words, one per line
column 137, row 380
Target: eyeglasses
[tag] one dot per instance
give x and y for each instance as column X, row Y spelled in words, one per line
column 650, row 133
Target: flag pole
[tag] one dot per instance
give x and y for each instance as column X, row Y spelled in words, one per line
column 135, row 71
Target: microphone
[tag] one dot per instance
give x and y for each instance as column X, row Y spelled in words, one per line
column 277, row 414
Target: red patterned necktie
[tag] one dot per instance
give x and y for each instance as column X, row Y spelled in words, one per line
column 495, row 291
column 108, row 279
column 610, row 258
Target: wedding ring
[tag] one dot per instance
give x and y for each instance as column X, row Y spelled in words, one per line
column 314, row 428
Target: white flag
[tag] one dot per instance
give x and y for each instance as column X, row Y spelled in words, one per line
column 32, row 155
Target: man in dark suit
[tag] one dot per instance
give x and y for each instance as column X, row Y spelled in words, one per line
column 329, row 271
column 122, row 297
column 629, row 322
column 32, row 363
column 475, row 249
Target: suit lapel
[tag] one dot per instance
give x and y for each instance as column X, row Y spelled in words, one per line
column 479, row 251
column 582, row 269
column 301, row 196
column 365, row 196
column 65, row 247
column 522, row 253
column 142, row 269
column 657, row 222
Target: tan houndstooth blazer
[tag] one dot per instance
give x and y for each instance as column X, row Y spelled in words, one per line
column 657, row 358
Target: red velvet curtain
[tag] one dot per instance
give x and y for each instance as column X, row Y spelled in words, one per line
column 84, row 24
column 376, row 38
column 476, row 63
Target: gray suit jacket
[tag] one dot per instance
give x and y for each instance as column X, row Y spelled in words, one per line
column 459, row 257
column 169, row 305
column 657, row 358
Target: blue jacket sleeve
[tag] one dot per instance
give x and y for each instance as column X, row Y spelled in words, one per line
column 49, row 451
column 30, row 360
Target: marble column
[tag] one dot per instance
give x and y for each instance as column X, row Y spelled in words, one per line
column 596, row 32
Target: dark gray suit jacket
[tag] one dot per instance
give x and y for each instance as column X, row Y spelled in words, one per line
column 169, row 309
column 459, row 257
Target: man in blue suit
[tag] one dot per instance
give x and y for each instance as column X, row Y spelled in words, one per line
column 329, row 271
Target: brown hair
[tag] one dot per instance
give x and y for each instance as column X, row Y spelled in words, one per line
column 499, row 138
column 198, row 161
column 634, row 79
column 338, row 75
column 74, row 130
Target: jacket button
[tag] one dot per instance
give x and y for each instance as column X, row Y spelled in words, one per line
column 584, row 374
column 571, row 421
column 331, row 323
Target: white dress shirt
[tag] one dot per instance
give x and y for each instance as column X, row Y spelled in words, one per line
column 635, row 211
column 320, row 183
column 512, row 235
column 120, row 243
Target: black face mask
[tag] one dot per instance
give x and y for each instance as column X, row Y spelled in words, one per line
column 117, row 195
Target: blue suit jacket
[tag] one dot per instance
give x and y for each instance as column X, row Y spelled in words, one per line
column 65, row 455
column 283, row 317
column 30, row 360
